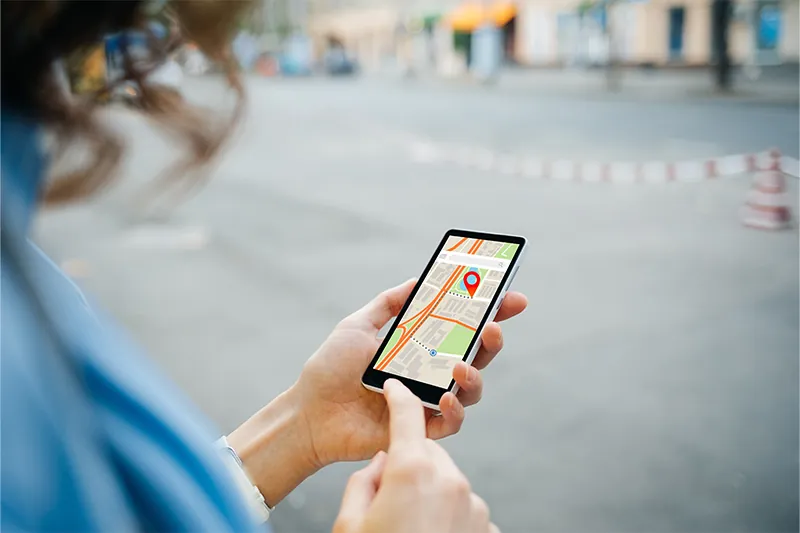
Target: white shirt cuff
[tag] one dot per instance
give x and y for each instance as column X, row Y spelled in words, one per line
column 251, row 494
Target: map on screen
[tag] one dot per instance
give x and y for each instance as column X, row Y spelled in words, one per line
column 437, row 329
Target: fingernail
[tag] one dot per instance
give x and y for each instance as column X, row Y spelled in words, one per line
column 472, row 375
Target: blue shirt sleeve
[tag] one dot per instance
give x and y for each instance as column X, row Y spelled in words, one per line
column 94, row 437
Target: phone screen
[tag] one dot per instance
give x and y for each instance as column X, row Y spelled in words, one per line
column 438, row 327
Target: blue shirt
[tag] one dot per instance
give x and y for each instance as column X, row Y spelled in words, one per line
column 94, row 438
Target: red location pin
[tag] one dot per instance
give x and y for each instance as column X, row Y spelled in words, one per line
column 471, row 281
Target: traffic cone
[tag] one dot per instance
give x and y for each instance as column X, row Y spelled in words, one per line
column 767, row 205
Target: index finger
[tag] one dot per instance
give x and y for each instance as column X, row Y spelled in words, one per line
column 406, row 415
column 513, row 304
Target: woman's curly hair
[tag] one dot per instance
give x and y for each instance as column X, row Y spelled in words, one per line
column 36, row 34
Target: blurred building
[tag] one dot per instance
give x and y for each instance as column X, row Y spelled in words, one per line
column 556, row 32
column 408, row 33
column 276, row 20
column 654, row 32
column 414, row 35
column 366, row 29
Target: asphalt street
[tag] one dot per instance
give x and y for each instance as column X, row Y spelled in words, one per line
column 652, row 385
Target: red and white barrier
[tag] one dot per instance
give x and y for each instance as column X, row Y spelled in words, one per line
column 767, row 205
column 599, row 172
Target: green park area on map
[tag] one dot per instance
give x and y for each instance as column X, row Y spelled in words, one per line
column 457, row 341
column 459, row 338
column 507, row 251
column 392, row 341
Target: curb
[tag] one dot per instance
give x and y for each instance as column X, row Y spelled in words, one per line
column 599, row 172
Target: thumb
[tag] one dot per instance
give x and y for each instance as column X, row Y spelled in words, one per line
column 360, row 491
column 387, row 304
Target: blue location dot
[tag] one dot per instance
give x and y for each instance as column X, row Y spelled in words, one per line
column 433, row 353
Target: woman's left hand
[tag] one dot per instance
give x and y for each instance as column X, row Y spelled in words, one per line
column 328, row 416
column 347, row 422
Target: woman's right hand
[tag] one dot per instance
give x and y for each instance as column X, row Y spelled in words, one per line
column 415, row 487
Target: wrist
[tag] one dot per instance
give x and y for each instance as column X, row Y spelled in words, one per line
column 276, row 448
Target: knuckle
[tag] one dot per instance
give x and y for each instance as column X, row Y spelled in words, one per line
column 384, row 298
column 478, row 396
column 500, row 339
column 459, row 486
column 344, row 524
column 355, row 480
column 472, row 395
column 414, row 466
column 458, row 420
column 451, row 428
column 434, row 450
column 480, row 508
column 463, row 486
column 346, row 322
column 356, row 477
column 383, row 302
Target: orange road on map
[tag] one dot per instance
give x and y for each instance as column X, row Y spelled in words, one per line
column 447, row 284
column 454, row 321
column 456, row 245
column 427, row 310
column 474, row 248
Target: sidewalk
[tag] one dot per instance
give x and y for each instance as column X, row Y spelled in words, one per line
column 774, row 86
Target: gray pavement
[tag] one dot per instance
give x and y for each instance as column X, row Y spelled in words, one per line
column 652, row 385
column 770, row 85
column 779, row 85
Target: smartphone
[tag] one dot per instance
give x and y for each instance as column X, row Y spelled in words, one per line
column 458, row 293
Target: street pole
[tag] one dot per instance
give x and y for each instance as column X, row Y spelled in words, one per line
column 721, row 17
column 612, row 70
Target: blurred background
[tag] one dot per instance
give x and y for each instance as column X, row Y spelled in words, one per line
column 652, row 385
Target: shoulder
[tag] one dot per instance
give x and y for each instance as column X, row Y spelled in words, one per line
column 49, row 439
column 94, row 436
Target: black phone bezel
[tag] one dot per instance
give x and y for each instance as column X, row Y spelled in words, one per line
column 429, row 393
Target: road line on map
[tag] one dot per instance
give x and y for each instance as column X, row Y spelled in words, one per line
column 472, row 249
column 404, row 338
column 429, row 303
column 428, row 308
column 459, row 243
column 453, row 320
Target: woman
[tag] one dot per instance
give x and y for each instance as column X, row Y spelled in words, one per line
column 95, row 439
